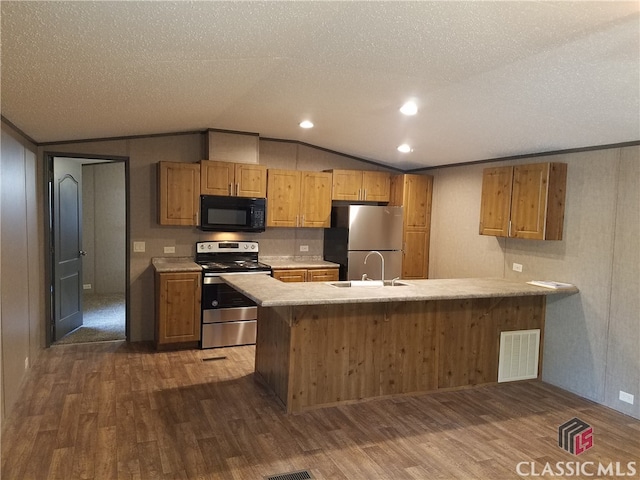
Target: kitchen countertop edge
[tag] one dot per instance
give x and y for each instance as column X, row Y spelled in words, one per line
column 286, row 263
column 175, row 264
column 269, row 292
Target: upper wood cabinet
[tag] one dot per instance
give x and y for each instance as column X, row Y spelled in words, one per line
column 298, row 199
column 414, row 193
column 233, row 179
column 360, row 185
column 524, row 201
column 178, row 308
column 178, row 193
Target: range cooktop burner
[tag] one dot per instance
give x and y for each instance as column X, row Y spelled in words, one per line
column 237, row 265
column 229, row 257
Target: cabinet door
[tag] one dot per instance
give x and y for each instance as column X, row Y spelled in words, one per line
column 315, row 200
column 178, row 307
column 283, row 198
column 415, row 259
column 251, row 180
column 529, row 201
column 217, row 178
column 347, row 185
column 322, row 275
column 375, row 186
column 290, row 275
column 178, row 193
column 417, row 200
column 495, row 206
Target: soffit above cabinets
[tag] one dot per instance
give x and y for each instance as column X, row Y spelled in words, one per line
column 491, row 79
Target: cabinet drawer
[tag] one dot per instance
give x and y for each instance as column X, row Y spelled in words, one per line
column 299, row 275
column 228, row 334
column 322, row 275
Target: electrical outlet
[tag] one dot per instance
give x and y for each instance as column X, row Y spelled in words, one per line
column 304, row 248
column 26, row 363
column 139, row 246
column 517, row 267
column 626, row 397
column 86, row 286
column 169, row 249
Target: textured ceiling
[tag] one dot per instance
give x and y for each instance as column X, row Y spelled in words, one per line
column 492, row 79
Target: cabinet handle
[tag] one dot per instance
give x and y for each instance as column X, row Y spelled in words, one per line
column 359, row 194
column 237, row 189
column 230, row 190
column 509, row 232
column 302, row 222
column 364, row 194
column 296, row 220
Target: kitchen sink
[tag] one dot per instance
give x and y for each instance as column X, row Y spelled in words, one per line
column 368, row 283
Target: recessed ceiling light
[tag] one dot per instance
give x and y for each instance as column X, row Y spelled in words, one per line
column 409, row 108
column 306, row 124
column 404, row 148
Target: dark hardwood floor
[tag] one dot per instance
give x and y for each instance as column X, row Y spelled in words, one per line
column 124, row 411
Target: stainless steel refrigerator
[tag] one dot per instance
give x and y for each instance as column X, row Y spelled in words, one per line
column 357, row 230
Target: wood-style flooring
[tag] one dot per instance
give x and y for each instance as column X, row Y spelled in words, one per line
column 123, row 411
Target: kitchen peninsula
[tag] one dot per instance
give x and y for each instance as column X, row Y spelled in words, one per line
column 319, row 344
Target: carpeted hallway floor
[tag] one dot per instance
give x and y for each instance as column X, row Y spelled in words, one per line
column 103, row 320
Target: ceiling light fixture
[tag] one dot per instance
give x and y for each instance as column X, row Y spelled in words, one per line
column 404, row 148
column 306, row 124
column 409, row 108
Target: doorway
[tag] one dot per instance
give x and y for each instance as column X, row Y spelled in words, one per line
column 88, row 226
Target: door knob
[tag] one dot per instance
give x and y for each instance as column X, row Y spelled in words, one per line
column 82, row 253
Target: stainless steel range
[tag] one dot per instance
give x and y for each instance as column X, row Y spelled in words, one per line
column 228, row 317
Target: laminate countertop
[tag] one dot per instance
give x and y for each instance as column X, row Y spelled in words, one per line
column 175, row 264
column 266, row 291
column 297, row 262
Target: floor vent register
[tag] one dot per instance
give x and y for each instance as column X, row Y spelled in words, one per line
column 300, row 475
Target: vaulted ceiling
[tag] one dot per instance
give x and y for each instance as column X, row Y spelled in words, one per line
column 491, row 79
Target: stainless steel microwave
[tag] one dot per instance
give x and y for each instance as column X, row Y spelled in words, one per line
column 232, row 214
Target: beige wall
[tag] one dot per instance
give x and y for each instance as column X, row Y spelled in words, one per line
column 103, row 227
column 22, row 268
column 591, row 339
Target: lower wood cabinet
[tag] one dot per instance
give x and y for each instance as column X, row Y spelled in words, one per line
column 306, row 275
column 178, row 309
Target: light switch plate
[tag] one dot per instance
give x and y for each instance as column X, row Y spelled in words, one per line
column 139, row 246
column 517, row 267
column 169, row 249
column 304, row 248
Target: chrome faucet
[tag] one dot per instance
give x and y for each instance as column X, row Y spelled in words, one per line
column 381, row 259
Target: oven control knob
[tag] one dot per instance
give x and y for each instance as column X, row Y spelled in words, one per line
column 214, row 303
column 246, row 246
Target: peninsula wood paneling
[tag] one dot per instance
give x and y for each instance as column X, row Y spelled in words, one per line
column 272, row 349
column 331, row 354
column 469, row 335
